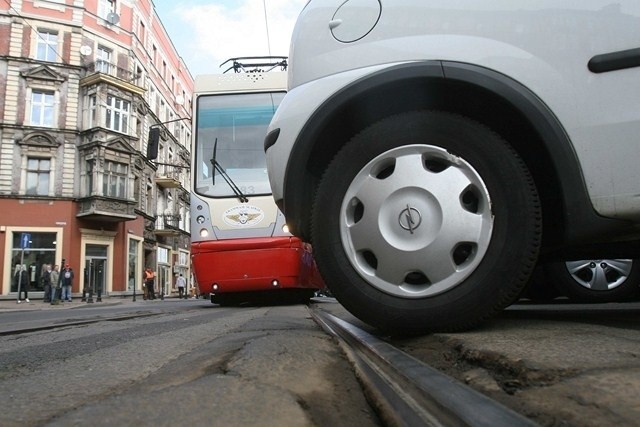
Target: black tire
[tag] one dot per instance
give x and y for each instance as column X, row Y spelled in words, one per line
column 222, row 300
column 597, row 280
column 541, row 289
column 426, row 221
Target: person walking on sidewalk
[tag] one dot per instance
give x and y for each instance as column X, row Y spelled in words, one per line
column 67, row 282
column 181, row 282
column 55, row 284
column 21, row 281
column 46, row 282
column 149, row 282
column 145, row 293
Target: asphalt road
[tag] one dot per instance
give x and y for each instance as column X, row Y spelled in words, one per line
column 559, row 365
column 191, row 363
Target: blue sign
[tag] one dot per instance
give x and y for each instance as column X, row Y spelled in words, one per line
column 25, row 240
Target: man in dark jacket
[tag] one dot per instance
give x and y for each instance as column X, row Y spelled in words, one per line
column 46, row 283
column 66, row 279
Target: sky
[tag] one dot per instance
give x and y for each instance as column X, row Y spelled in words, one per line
column 208, row 32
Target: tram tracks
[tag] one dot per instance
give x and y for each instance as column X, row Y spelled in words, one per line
column 407, row 392
column 23, row 328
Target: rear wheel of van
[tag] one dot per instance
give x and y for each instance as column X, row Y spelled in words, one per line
column 597, row 280
column 426, row 221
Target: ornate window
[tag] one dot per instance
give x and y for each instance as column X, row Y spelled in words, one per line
column 103, row 60
column 47, row 46
column 93, row 100
column 89, row 177
column 114, row 183
column 183, row 258
column 182, row 221
column 42, row 108
column 117, row 114
column 150, row 199
column 38, row 153
column 38, row 176
column 105, row 7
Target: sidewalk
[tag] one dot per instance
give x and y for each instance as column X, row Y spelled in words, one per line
column 9, row 305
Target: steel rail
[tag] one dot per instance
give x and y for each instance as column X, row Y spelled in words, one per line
column 406, row 391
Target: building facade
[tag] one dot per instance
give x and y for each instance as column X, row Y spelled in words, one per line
column 81, row 84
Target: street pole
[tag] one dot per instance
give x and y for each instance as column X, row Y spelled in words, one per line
column 90, row 299
column 25, row 242
column 20, row 275
column 99, row 285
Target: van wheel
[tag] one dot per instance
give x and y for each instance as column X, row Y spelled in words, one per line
column 426, row 221
column 597, row 280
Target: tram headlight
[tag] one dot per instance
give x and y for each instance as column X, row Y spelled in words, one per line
column 200, row 219
column 285, row 228
column 204, row 232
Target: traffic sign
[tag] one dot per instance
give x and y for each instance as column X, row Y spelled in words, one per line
column 25, row 240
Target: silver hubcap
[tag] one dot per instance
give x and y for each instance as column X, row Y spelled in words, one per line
column 600, row 274
column 416, row 221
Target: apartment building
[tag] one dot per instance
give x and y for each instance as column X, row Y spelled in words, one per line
column 81, row 84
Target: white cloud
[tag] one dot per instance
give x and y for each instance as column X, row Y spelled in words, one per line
column 219, row 30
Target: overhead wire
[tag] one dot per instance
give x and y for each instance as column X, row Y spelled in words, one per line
column 266, row 23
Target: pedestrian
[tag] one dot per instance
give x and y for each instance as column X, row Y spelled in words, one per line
column 196, row 291
column 66, row 282
column 149, row 282
column 55, row 284
column 21, row 281
column 45, row 279
column 145, row 295
column 181, row 282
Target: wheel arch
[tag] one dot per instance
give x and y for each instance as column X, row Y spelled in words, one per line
column 489, row 97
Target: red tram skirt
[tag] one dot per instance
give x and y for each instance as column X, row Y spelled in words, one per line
column 254, row 264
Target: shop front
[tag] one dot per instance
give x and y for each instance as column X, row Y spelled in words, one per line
column 105, row 262
column 42, row 247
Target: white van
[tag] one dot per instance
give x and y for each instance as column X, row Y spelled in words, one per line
column 434, row 152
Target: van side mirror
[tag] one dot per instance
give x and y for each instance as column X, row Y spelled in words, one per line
column 153, row 143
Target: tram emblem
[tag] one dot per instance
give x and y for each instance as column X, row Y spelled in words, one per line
column 243, row 216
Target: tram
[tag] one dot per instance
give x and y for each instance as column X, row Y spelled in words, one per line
column 241, row 249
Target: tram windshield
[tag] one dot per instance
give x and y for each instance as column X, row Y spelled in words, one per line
column 231, row 129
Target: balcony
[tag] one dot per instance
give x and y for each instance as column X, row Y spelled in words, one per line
column 104, row 67
column 167, row 225
column 101, row 71
column 169, row 176
column 104, row 209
